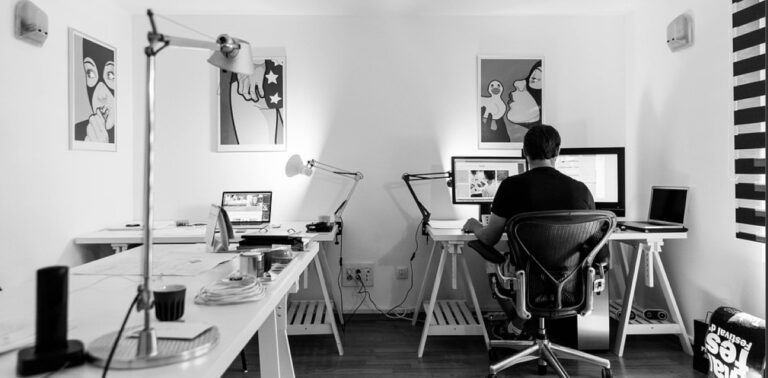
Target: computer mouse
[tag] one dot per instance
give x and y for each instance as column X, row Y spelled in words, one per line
column 466, row 231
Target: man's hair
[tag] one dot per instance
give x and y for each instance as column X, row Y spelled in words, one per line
column 541, row 142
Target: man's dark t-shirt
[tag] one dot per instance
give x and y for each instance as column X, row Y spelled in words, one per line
column 540, row 189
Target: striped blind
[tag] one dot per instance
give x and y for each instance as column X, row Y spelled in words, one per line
column 749, row 89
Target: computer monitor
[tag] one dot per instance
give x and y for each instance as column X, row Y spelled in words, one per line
column 601, row 170
column 476, row 178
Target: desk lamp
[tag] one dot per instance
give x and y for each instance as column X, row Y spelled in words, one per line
column 229, row 54
column 296, row 166
column 425, row 214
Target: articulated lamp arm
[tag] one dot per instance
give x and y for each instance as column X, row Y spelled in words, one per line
column 425, row 214
column 357, row 176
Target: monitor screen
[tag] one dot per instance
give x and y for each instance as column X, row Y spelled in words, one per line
column 601, row 170
column 476, row 178
column 247, row 207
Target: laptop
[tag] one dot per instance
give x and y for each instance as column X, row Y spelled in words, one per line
column 666, row 212
column 248, row 210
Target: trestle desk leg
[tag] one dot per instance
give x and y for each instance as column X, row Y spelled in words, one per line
column 432, row 300
column 666, row 288
column 629, row 294
column 329, row 306
column 423, row 285
column 475, row 303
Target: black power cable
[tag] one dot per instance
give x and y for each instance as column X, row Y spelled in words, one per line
column 119, row 334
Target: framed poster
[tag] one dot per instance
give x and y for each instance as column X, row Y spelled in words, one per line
column 252, row 107
column 509, row 100
column 92, row 93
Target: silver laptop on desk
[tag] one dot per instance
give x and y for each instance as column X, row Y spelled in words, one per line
column 248, row 210
column 666, row 212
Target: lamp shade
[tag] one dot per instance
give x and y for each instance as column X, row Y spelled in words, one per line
column 296, row 166
column 233, row 55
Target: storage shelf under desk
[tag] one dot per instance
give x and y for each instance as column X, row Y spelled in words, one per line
column 308, row 318
column 453, row 317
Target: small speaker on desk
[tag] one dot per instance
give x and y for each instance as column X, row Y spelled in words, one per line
column 52, row 350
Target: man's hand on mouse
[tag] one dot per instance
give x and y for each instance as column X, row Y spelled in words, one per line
column 472, row 225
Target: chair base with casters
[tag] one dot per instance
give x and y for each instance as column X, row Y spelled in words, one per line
column 545, row 352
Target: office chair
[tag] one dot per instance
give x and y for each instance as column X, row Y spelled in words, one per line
column 551, row 272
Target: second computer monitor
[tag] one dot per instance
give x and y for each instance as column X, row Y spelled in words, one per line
column 476, row 178
column 601, row 170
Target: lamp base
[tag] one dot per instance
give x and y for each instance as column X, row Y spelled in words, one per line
column 30, row 362
column 169, row 351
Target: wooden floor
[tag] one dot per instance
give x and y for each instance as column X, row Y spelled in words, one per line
column 378, row 347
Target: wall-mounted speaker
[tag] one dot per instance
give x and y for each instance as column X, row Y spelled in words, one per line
column 680, row 32
column 31, row 23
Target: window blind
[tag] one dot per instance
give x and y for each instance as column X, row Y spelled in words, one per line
column 749, row 90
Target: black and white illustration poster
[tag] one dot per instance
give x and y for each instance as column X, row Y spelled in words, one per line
column 252, row 108
column 509, row 100
column 92, row 92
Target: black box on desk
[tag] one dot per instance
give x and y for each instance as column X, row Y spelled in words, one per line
column 257, row 241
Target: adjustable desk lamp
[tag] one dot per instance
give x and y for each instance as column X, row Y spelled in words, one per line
column 295, row 166
column 229, row 54
column 425, row 214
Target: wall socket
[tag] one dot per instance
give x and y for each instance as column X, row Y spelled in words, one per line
column 351, row 270
column 402, row 272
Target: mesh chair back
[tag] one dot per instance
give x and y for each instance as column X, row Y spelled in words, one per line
column 556, row 249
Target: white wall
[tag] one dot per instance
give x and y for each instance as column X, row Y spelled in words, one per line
column 48, row 193
column 679, row 123
column 383, row 95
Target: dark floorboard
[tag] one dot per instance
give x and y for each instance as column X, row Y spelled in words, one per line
column 378, row 347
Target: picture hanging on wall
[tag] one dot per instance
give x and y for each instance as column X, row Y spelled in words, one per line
column 252, row 107
column 509, row 100
column 92, row 93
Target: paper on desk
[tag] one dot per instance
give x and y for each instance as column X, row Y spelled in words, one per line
column 15, row 336
column 168, row 263
column 447, row 223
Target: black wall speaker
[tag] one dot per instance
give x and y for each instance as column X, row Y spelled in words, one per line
column 52, row 350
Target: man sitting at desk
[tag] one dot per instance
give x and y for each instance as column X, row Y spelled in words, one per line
column 541, row 188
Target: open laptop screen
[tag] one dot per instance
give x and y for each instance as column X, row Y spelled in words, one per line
column 247, row 207
column 668, row 204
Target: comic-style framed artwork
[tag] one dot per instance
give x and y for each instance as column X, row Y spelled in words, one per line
column 92, row 93
column 252, row 108
column 509, row 99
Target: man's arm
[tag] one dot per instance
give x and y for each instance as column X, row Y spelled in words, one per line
column 489, row 235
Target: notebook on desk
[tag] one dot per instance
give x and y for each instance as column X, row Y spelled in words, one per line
column 666, row 212
column 248, row 210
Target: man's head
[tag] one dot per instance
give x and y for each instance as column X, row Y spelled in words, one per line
column 542, row 142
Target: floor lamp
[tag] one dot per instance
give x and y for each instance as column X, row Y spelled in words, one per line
column 229, row 54
column 408, row 177
column 296, row 166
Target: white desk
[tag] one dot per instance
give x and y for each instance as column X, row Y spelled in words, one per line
column 648, row 246
column 97, row 305
column 301, row 319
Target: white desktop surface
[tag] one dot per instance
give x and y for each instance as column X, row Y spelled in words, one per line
column 97, row 305
column 196, row 234
column 456, row 234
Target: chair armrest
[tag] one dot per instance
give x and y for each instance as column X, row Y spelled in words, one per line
column 486, row 251
column 517, row 285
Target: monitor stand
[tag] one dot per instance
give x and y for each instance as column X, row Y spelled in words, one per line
column 485, row 213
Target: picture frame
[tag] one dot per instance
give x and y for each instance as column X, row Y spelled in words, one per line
column 252, row 108
column 92, row 93
column 509, row 100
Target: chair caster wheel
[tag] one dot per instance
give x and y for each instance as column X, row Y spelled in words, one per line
column 607, row 373
column 542, row 370
column 491, row 375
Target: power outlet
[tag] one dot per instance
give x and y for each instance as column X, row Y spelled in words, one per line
column 351, row 271
column 402, row 272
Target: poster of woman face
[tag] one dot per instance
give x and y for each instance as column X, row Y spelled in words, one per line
column 92, row 106
column 252, row 107
column 509, row 100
